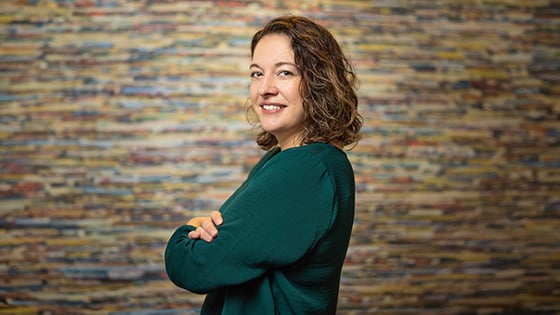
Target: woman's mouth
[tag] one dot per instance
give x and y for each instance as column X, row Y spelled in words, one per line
column 272, row 107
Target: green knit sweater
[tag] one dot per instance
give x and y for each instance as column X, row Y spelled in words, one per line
column 283, row 241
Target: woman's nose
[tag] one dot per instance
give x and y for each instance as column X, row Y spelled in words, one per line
column 268, row 87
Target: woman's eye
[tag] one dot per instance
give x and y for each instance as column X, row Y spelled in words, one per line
column 256, row 74
column 285, row 73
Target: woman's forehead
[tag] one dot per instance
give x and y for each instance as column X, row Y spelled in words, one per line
column 273, row 49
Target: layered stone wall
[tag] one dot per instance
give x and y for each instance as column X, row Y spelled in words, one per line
column 119, row 120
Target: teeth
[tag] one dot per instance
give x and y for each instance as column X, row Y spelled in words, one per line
column 271, row 107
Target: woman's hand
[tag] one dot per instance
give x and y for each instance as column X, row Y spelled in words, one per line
column 206, row 226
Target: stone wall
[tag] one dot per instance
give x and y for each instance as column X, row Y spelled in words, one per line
column 119, row 120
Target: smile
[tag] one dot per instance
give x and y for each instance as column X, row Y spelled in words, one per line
column 272, row 107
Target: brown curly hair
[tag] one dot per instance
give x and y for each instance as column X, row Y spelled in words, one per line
column 328, row 84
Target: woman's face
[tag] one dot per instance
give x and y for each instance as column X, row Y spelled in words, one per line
column 275, row 82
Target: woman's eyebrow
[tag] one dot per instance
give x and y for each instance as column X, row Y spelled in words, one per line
column 278, row 64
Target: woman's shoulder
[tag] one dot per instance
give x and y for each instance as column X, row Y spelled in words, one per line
column 318, row 149
column 322, row 148
column 305, row 163
column 314, row 154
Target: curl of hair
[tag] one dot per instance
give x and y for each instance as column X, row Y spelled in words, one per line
column 328, row 84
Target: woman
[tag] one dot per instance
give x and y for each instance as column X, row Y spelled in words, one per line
column 278, row 244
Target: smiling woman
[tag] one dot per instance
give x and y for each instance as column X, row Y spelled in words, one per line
column 327, row 82
column 275, row 82
column 277, row 245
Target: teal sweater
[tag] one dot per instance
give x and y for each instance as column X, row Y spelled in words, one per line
column 283, row 241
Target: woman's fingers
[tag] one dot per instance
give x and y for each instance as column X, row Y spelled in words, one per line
column 206, row 226
column 194, row 234
column 216, row 217
column 209, row 228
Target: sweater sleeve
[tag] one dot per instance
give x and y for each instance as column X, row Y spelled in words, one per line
column 273, row 220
